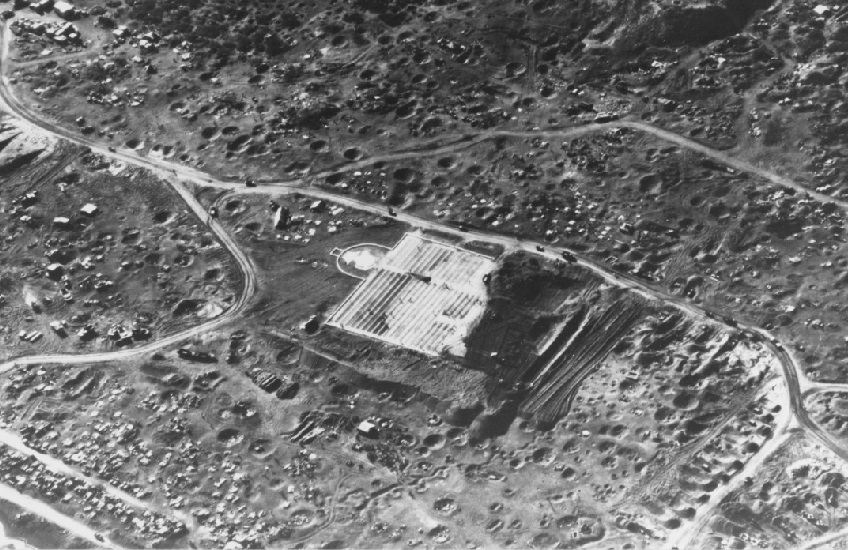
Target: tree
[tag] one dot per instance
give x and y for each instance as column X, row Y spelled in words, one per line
column 274, row 45
column 243, row 43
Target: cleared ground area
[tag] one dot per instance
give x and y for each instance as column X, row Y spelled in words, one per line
column 424, row 295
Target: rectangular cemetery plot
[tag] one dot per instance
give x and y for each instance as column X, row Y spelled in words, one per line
column 424, row 295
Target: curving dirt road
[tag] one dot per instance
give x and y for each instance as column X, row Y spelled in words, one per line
column 69, row 524
column 827, row 541
column 176, row 174
column 248, row 275
column 9, row 103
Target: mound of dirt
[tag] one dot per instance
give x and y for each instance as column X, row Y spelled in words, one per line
column 688, row 24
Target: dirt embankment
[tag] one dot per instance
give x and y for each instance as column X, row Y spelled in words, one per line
column 683, row 24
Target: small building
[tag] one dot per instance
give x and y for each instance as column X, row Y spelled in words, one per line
column 420, row 277
column 29, row 199
column 54, row 271
column 32, row 336
column 148, row 42
column 119, row 334
column 89, row 209
column 87, row 333
column 312, row 325
column 66, row 33
column 367, row 429
column 267, row 382
column 141, row 333
column 65, row 10
column 41, row 6
column 288, row 391
column 122, row 32
column 282, row 218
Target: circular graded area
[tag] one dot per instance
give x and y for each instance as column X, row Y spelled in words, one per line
column 261, row 447
column 352, row 153
column 447, row 163
column 440, row 534
column 514, row 69
column 134, row 144
column 334, row 178
column 494, row 526
column 407, row 109
column 439, row 182
column 650, row 184
column 686, row 401
column 434, row 441
column 567, row 521
column 445, row 506
column 288, row 354
column 319, row 146
column 302, row 518
column 544, row 540
column 255, row 150
column 672, row 523
column 421, row 57
column 404, row 174
column 213, row 274
column 238, row 142
column 358, row 260
column 163, row 216
column 543, row 456
column 474, row 170
column 234, row 206
column 209, row 132
column 230, row 437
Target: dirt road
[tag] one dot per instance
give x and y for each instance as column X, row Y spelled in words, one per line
column 55, row 517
